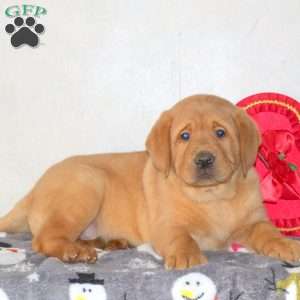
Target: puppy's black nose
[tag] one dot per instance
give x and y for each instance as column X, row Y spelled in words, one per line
column 204, row 159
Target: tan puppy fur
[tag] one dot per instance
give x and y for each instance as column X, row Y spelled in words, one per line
column 161, row 195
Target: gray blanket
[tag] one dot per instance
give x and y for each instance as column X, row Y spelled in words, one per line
column 138, row 274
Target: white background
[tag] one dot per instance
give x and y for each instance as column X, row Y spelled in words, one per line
column 105, row 69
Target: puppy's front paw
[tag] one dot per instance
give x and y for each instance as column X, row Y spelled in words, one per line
column 74, row 252
column 282, row 248
column 184, row 260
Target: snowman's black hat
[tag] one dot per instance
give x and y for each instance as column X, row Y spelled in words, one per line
column 86, row 278
column 288, row 265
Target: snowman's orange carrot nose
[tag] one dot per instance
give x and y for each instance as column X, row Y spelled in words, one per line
column 80, row 297
column 187, row 293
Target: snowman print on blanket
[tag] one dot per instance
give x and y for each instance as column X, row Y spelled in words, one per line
column 194, row 286
column 10, row 255
column 86, row 287
column 290, row 285
column 3, row 295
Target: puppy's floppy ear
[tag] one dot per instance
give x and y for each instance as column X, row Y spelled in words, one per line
column 249, row 140
column 158, row 143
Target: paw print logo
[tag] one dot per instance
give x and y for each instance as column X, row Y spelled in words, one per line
column 24, row 32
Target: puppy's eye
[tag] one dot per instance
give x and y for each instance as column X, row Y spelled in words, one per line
column 220, row 133
column 185, row 136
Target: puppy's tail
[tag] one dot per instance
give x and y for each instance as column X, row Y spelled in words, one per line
column 16, row 219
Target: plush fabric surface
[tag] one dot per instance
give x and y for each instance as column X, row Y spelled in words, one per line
column 139, row 274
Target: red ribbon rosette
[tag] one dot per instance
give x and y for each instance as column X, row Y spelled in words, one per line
column 278, row 161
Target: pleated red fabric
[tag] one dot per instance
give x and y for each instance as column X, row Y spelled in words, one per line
column 278, row 161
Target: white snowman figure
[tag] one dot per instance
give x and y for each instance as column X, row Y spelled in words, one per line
column 290, row 284
column 86, row 287
column 194, row 286
column 11, row 256
column 3, row 295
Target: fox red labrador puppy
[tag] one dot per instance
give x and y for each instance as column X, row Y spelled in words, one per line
column 193, row 189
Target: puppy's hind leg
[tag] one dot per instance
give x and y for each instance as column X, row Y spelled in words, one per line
column 16, row 219
column 58, row 235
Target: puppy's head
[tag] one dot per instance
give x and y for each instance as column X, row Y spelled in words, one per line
column 203, row 139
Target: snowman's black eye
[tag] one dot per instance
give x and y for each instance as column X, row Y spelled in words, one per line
column 90, row 290
column 198, row 283
column 187, row 283
column 84, row 290
column 185, row 136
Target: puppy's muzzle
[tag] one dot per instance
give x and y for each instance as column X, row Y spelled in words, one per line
column 204, row 160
